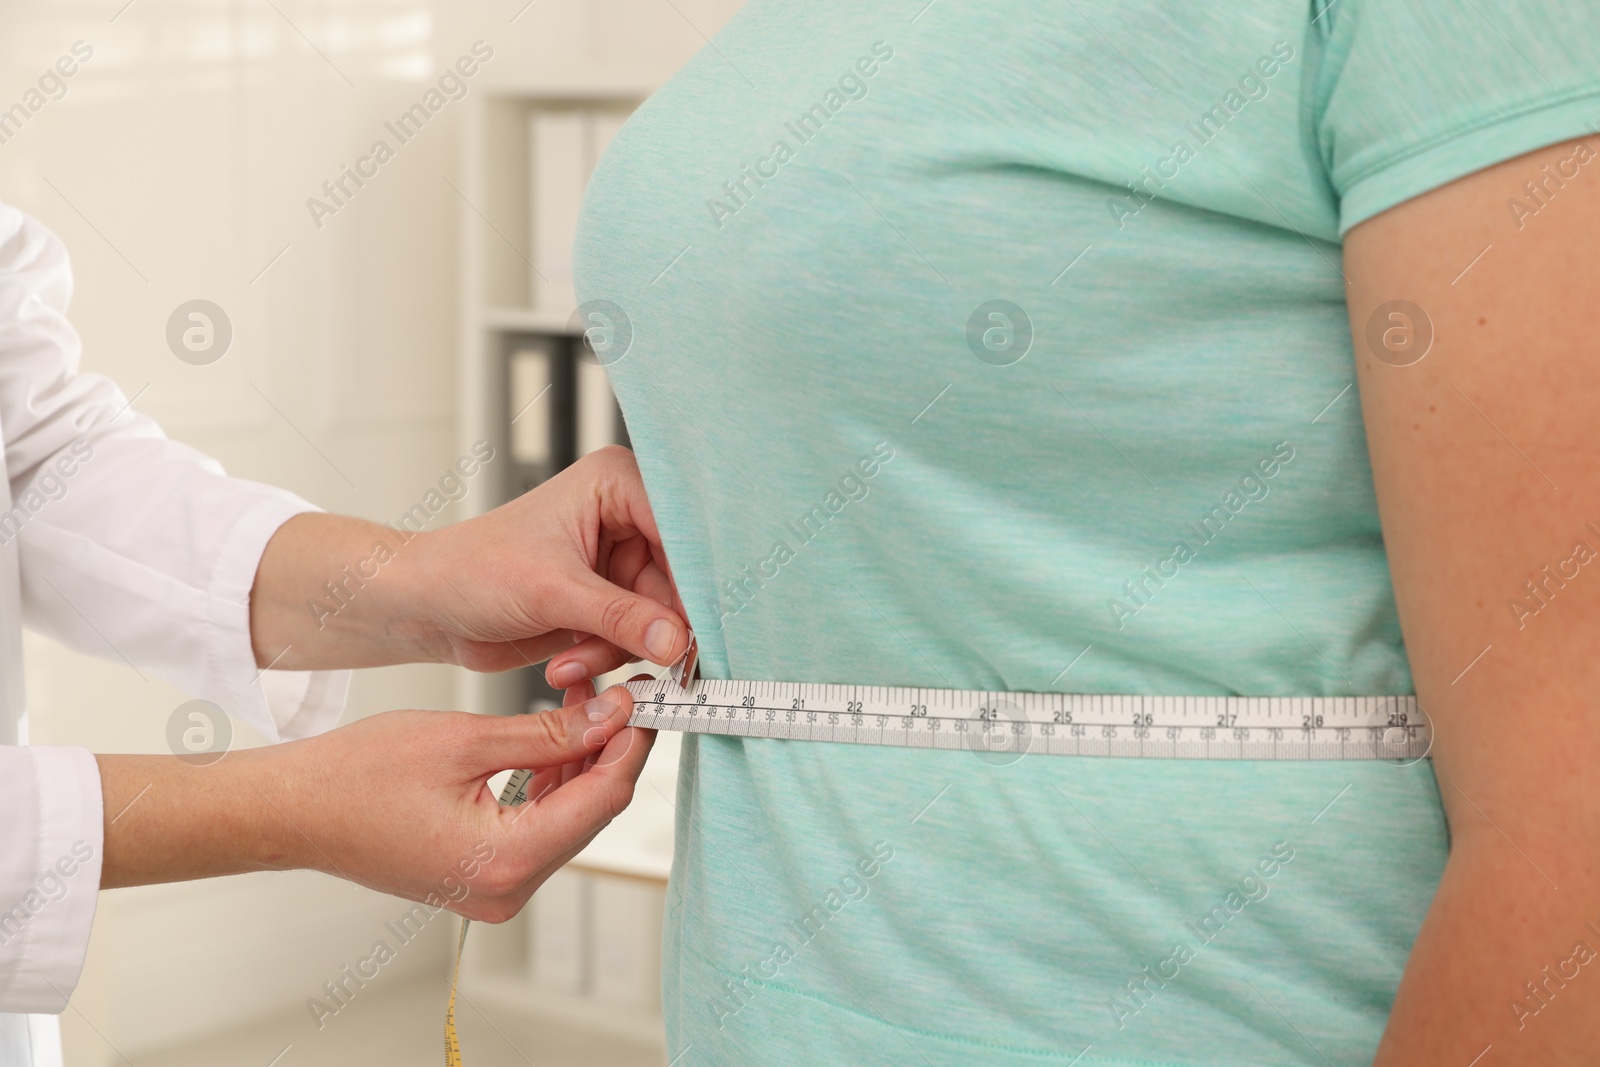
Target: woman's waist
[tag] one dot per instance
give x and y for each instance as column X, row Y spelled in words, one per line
column 1064, row 898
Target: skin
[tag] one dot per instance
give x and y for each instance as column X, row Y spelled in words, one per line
column 399, row 801
column 1469, row 446
column 578, row 556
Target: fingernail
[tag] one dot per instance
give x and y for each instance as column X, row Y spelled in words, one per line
column 568, row 674
column 601, row 707
column 661, row 639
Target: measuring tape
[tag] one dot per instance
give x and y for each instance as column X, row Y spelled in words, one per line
column 515, row 792
column 1007, row 726
column 1002, row 727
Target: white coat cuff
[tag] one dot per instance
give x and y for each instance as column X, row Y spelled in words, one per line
column 51, row 889
column 284, row 705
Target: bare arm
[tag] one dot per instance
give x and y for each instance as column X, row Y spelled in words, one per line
column 398, row 802
column 578, row 556
column 1486, row 458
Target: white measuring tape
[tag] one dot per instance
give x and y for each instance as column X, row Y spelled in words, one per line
column 1002, row 727
column 1006, row 725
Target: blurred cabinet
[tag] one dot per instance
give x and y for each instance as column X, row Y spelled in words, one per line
column 529, row 385
column 586, row 953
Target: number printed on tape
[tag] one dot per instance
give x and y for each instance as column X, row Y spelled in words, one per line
column 996, row 724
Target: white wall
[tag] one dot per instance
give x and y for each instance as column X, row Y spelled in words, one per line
column 177, row 166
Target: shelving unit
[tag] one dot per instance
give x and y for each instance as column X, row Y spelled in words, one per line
column 497, row 973
column 506, row 316
column 537, row 321
column 499, row 317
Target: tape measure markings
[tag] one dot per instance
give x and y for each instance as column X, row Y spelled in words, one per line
column 1068, row 724
column 1013, row 724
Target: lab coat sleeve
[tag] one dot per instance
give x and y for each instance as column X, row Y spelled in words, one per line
column 132, row 546
column 50, row 844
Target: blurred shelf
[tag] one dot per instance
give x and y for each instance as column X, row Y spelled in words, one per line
column 582, row 83
column 585, row 955
column 623, row 861
column 529, row 320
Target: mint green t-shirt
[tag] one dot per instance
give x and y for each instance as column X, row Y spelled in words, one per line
column 1004, row 346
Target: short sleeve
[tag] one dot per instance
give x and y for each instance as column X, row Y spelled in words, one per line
column 1413, row 94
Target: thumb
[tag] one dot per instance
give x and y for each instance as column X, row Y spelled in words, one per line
column 645, row 627
column 552, row 738
column 581, row 807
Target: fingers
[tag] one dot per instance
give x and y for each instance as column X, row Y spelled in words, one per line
column 554, row 737
column 653, row 581
column 548, row 778
column 642, row 567
column 644, row 626
column 632, row 565
column 519, row 897
column 576, row 801
column 589, row 658
column 587, row 801
column 512, row 901
column 624, row 507
column 542, row 782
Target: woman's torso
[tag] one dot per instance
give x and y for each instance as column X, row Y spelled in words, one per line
column 803, row 322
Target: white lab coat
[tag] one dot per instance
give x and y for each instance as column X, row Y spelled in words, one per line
column 120, row 542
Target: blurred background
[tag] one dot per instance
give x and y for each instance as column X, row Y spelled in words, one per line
column 201, row 150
